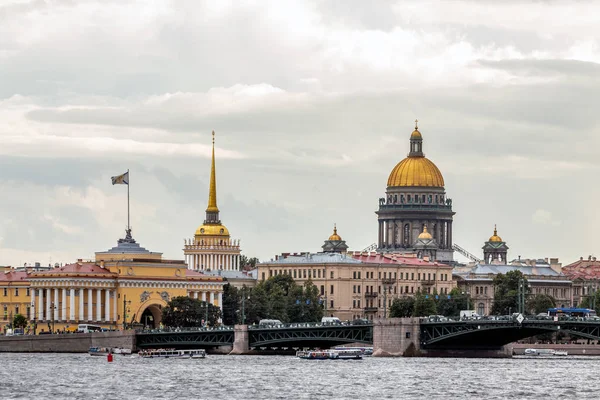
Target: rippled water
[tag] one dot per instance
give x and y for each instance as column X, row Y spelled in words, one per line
column 80, row 376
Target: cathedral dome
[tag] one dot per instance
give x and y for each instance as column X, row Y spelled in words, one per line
column 425, row 234
column 416, row 171
column 212, row 230
column 495, row 237
column 335, row 235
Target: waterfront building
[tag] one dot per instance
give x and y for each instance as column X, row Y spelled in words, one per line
column 212, row 249
column 544, row 276
column 585, row 275
column 415, row 202
column 360, row 284
column 126, row 285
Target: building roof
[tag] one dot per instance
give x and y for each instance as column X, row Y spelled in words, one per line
column 230, row 274
column 14, row 276
column 314, row 258
column 79, row 268
column 484, row 269
column 583, row 269
column 391, row 258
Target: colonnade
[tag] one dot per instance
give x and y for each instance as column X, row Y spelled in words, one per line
column 208, row 297
column 227, row 262
column 52, row 304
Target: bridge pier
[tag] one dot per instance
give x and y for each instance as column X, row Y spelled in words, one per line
column 396, row 337
column 241, row 340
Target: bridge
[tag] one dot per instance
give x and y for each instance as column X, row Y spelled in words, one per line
column 493, row 334
column 285, row 335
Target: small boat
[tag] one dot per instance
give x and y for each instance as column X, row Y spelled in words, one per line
column 121, row 350
column 99, row 351
column 172, row 353
column 561, row 353
column 545, row 352
column 329, row 354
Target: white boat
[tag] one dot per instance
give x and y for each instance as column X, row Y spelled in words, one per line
column 329, row 354
column 545, row 352
column 121, row 350
column 172, row 353
column 99, row 351
column 365, row 351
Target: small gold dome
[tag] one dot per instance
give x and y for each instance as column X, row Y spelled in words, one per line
column 212, row 230
column 335, row 235
column 495, row 237
column 416, row 171
column 416, row 134
column 425, row 234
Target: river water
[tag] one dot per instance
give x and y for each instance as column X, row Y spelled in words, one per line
column 80, row 376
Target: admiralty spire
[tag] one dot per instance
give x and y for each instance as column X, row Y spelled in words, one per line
column 212, row 248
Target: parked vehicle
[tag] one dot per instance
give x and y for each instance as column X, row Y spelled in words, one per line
column 331, row 321
column 469, row 314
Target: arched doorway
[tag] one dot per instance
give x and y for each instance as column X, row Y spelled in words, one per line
column 151, row 316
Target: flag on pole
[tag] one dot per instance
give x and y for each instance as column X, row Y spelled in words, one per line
column 121, row 179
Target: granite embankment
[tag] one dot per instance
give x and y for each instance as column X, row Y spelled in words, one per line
column 68, row 343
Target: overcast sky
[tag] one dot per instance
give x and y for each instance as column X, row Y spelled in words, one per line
column 313, row 104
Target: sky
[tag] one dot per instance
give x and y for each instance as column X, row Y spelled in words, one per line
column 312, row 102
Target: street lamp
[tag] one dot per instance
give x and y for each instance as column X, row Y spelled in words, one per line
column 126, row 309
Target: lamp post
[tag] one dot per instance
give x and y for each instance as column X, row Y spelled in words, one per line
column 125, row 310
column 244, row 308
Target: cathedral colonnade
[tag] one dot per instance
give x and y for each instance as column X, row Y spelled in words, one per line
column 212, row 261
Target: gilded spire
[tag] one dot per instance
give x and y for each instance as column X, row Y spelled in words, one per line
column 416, row 124
column 212, row 194
column 495, row 237
column 335, row 235
column 495, row 230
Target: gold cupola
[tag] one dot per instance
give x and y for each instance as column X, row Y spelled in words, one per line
column 425, row 234
column 212, row 225
column 335, row 235
column 495, row 237
column 416, row 170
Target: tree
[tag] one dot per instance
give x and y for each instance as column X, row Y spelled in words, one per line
column 19, row 321
column 506, row 289
column 231, row 305
column 540, row 303
column 185, row 312
column 450, row 305
column 424, row 305
column 248, row 263
column 402, row 307
column 592, row 301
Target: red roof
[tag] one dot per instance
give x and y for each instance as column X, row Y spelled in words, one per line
column 87, row 268
column 13, row 276
column 378, row 258
column 582, row 269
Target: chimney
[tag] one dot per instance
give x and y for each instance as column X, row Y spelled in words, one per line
column 101, row 263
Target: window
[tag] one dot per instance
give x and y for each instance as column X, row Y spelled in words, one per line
column 263, row 276
column 419, row 276
column 5, row 292
column 379, row 274
column 408, row 335
column 358, row 302
column 16, row 310
column 331, row 274
column 314, row 273
column 412, row 276
column 28, row 312
column 295, row 274
column 353, row 274
column 16, row 292
column 412, row 289
column 331, row 304
column 322, row 290
column 401, row 275
column 353, row 303
column 359, row 289
column 331, row 289
column 27, row 292
column 384, row 276
column 304, row 273
column 358, row 274
column 353, row 288
column 476, row 290
column 5, row 311
column 480, row 309
column 270, row 273
column 319, row 273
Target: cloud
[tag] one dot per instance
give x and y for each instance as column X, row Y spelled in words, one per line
column 544, row 217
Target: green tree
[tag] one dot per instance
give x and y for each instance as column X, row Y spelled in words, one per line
column 424, row 305
column 506, row 287
column 402, row 307
column 231, row 305
column 278, row 304
column 257, row 305
column 185, row 312
column 451, row 304
column 540, row 303
column 248, row 263
column 589, row 301
column 19, row 321
column 303, row 303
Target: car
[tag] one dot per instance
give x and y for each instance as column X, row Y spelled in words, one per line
column 361, row 321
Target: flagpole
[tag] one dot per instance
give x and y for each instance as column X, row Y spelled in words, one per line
column 128, row 180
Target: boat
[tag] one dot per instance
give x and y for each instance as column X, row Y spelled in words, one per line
column 99, row 351
column 121, row 350
column 329, row 354
column 545, row 352
column 172, row 353
column 365, row 351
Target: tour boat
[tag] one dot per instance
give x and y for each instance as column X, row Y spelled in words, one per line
column 99, row 351
column 545, row 352
column 172, row 353
column 366, row 351
column 121, row 350
column 329, row 354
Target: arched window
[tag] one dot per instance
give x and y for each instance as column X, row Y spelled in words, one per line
column 481, row 309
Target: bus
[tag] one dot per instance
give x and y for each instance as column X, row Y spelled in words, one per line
column 87, row 328
column 571, row 312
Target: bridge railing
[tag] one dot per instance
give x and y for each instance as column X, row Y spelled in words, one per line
column 505, row 318
column 306, row 325
column 168, row 329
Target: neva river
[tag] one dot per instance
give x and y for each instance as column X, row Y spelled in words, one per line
column 80, row 376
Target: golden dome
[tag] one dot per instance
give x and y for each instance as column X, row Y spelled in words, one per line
column 425, row 234
column 212, row 230
column 335, row 235
column 416, row 171
column 416, row 134
column 495, row 237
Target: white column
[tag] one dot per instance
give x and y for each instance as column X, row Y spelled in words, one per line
column 63, row 307
column 196, row 295
column 41, row 306
column 98, row 305
column 221, row 302
column 90, row 300
column 81, row 308
column 33, row 294
column 56, row 306
column 72, row 305
column 115, row 305
column 203, row 296
column 48, row 301
column 107, row 305
column 212, row 298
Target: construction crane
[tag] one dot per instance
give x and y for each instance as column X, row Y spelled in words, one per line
column 370, row 248
column 465, row 253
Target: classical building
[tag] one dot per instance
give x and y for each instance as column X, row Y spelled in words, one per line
column 585, row 275
column 125, row 285
column 544, row 276
column 415, row 202
column 212, row 249
column 360, row 284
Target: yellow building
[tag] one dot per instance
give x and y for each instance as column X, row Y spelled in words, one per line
column 212, row 249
